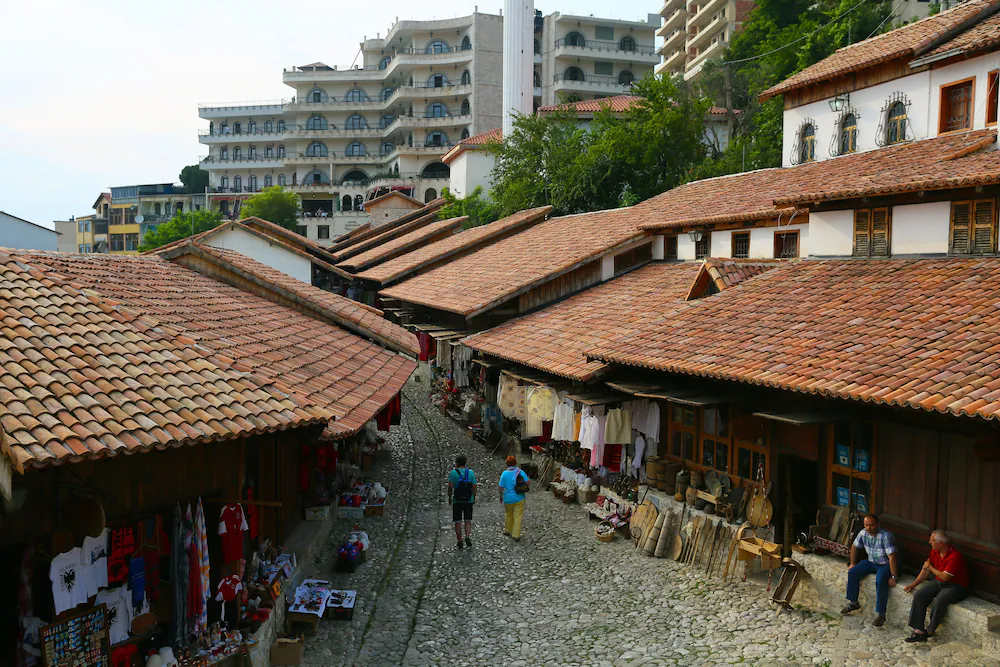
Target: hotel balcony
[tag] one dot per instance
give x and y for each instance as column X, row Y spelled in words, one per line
column 695, row 64
column 242, row 162
column 332, row 156
column 416, row 121
column 674, row 41
column 592, row 84
column 595, row 48
column 706, row 35
column 675, row 62
column 229, row 137
column 399, row 60
column 333, row 132
column 706, row 13
column 239, row 109
column 419, row 90
column 670, row 5
column 675, row 21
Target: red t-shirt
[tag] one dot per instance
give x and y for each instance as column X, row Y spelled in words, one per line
column 952, row 563
column 232, row 523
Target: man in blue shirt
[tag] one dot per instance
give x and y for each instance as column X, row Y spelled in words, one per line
column 880, row 561
column 462, row 496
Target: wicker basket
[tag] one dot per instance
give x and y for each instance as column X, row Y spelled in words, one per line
column 569, row 499
column 604, row 538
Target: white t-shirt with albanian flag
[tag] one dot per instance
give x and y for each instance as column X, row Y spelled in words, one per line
column 69, row 588
column 232, row 524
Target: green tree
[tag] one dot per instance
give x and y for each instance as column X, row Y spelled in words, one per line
column 180, row 226
column 194, row 178
column 479, row 209
column 274, row 204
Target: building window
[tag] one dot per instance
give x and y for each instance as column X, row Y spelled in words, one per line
column 359, row 203
column 387, row 93
column 316, row 123
column 252, row 127
column 317, row 149
column 356, row 95
column 268, row 126
column 625, row 78
column 178, row 209
column 956, row 106
column 281, row 126
column 670, row 247
column 973, row 229
column 238, row 183
column 633, row 258
column 301, row 230
column 80, row 248
column 356, row 122
column 895, row 130
column 156, row 210
column 627, row 44
column 117, row 242
column 252, row 182
column 317, row 96
column 536, row 79
column 281, row 152
column 166, row 209
column 604, row 68
column 786, row 245
column 872, row 232
column 224, row 153
column 387, row 147
column 436, row 139
column 382, row 64
column 575, row 39
column 269, row 152
column 992, row 98
column 386, row 121
column 807, row 144
column 268, row 180
column 348, row 204
column 751, row 458
column 224, row 128
column 281, row 179
column 323, row 231
column 430, row 195
column 848, row 134
column 703, row 247
column 466, row 43
column 466, row 78
column 852, row 465
column 683, row 431
column 224, row 182
column 132, row 241
column 466, row 107
column 252, row 153
column 465, row 133
column 437, row 46
column 237, row 128
column 436, row 110
column 437, row 81
column 715, row 440
column 741, row 245
column 573, row 74
column 355, row 149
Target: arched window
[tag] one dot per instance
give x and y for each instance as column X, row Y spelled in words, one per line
column 359, row 203
column 317, row 149
column 849, row 134
column 237, row 128
column 466, row 43
column 355, row 149
column 436, row 110
column 156, row 208
column 252, row 181
column 387, row 93
column 281, row 152
column 575, row 39
column 317, row 96
column 224, row 153
column 386, row 121
column 281, row 180
column 236, row 153
column 281, row 126
column 316, row 122
column 436, row 139
column 348, row 203
column 430, row 195
column 269, row 152
column 625, row 78
column 807, row 143
column 268, row 181
column 466, row 108
column 436, row 170
column 224, row 182
column 437, row 81
column 895, row 129
column 573, row 74
column 355, row 176
column 224, row 128
column 252, row 127
column 356, row 122
column 355, row 95
column 224, row 207
column 166, row 208
column 466, row 78
column 465, row 133
column 252, row 153
column 536, row 79
column 211, row 127
column 268, row 126
column 179, row 208
column 437, row 46
column 387, row 147
column 315, row 177
column 238, row 183
column 538, row 47
column 382, row 64
column 626, row 44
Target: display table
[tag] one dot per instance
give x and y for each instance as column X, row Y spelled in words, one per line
column 311, row 599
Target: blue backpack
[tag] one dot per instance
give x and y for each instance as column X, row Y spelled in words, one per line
column 463, row 490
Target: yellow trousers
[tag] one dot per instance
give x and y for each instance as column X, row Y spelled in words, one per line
column 513, row 513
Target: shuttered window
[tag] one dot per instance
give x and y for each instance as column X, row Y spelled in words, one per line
column 973, row 227
column 872, row 232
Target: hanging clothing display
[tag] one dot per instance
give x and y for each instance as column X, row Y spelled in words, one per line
column 444, row 355
column 69, row 587
column 531, row 427
column 576, row 426
column 462, row 360
column 120, row 613
column 612, row 457
column 507, row 397
column 179, row 564
column 563, row 421
column 521, row 409
column 640, row 449
column 153, row 545
column 95, row 561
column 122, row 547
column 619, row 427
column 194, row 570
column 588, row 428
column 600, row 422
column 232, row 524
column 201, row 545
column 541, row 403
column 652, row 423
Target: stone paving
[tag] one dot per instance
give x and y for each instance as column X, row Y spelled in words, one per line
column 559, row 597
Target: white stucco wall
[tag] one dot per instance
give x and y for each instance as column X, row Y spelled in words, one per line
column 831, row 233
column 685, row 247
column 761, row 241
column 921, row 229
column 24, row 235
column 658, row 249
column 257, row 248
column 922, row 90
column 471, row 169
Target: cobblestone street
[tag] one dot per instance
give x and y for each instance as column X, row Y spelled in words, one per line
column 559, row 597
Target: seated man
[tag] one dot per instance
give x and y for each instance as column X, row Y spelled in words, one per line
column 881, row 562
column 948, row 583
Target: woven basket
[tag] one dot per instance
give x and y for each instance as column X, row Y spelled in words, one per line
column 604, row 538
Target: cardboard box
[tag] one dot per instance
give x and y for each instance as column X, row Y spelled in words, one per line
column 288, row 650
column 318, row 513
column 347, row 512
column 377, row 510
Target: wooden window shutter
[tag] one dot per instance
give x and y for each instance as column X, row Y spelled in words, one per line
column 961, row 217
column 861, row 236
column 983, row 235
column 880, row 232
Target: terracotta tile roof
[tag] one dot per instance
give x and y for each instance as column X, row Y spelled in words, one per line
column 617, row 103
column 554, row 339
column 395, row 247
column 357, row 231
column 907, row 41
column 725, row 273
column 288, row 236
column 915, row 333
column 943, row 161
column 328, row 366
column 357, row 317
column 338, row 248
column 453, row 246
column 385, row 236
column 82, row 377
column 501, row 271
column 394, row 193
column 483, row 138
column 982, row 35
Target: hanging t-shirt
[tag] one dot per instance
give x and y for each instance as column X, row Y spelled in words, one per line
column 95, row 562
column 232, row 523
column 137, row 580
column 619, row 427
column 122, row 547
column 69, row 587
column 119, row 603
column 229, row 588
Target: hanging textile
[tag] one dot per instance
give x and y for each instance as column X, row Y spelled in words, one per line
column 521, row 409
column 597, row 453
column 462, row 358
column 640, row 448
column 201, row 544
column 588, row 428
column 507, row 397
column 25, row 607
column 531, row 427
column 563, row 421
column 619, row 427
column 541, row 403
column 444, row 355
column 576, row 426
column 179, row 581
column 612, row 457
column 194, row 571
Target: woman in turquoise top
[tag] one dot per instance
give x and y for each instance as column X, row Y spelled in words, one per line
column 513, row 502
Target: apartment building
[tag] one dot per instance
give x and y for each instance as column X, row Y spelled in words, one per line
column 349, row 134
column 132, row 211
column 584, row 58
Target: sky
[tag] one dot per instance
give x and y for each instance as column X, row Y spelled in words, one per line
column 105, row 93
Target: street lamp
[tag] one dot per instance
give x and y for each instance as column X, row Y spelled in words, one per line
column 838, row 103
column 695, row 236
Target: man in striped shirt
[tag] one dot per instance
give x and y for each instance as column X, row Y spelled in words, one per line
column 880, row 560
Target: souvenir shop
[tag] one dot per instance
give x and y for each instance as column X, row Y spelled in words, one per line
column 162, row 558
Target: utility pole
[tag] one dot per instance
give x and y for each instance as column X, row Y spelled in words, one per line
column 730, row 115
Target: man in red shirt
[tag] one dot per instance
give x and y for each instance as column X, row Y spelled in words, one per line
column 947, row 582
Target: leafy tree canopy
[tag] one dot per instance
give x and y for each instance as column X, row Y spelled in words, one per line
column 194, row 178
column 180, row 226
column 479, row 209
column 274, row 204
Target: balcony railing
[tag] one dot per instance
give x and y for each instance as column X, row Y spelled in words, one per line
column 231, row 133
column 244, row 189
column 601, row 45
column 236, row 106
column 244, row 158
column 593, row 79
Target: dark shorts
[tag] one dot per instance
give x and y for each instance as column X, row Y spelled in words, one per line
column 461, row 512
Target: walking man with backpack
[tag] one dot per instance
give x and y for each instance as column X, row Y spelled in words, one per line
column 462, row 496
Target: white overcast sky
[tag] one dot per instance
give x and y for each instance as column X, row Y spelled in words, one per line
column 105, row 92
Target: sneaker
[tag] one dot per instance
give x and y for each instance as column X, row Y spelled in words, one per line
column 851, row 606
column 916, row 637
column 468, row 542
column 459, row 545
column 879, row 621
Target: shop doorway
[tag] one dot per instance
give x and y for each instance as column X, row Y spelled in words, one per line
column 798, row 499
